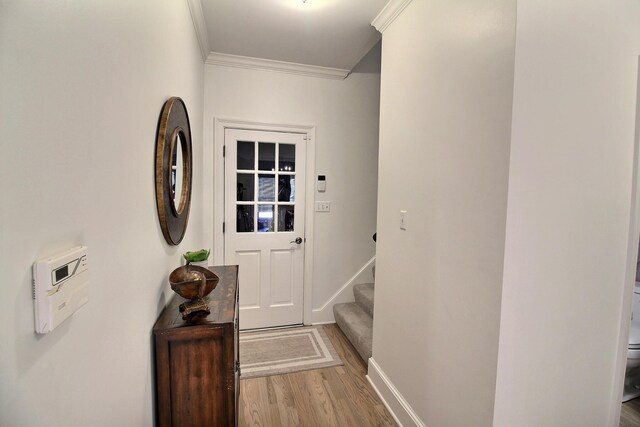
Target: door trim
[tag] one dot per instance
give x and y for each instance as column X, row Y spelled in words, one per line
column 220, row 124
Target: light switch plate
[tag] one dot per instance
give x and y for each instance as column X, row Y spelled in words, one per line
column 403, row 220
column 323, row 206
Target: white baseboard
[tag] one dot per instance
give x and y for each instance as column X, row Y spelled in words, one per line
column 324, row 314
column 400, row 409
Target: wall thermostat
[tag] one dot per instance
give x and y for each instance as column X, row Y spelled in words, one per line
column 60, row 287
column 322, row 183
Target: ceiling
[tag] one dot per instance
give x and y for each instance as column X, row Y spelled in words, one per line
column 325, row 33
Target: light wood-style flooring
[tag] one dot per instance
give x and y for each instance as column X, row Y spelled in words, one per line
column 338, row 396
column 630, row 415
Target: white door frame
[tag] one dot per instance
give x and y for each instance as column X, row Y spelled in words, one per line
column 219, row 126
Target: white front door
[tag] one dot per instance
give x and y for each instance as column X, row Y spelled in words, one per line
column 264, row 224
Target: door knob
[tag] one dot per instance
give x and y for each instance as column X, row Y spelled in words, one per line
column 297, row 241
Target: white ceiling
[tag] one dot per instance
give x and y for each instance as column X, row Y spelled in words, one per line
column 326, row 33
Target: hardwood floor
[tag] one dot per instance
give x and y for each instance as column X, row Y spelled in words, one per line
column 630, row 415
column 338, row 396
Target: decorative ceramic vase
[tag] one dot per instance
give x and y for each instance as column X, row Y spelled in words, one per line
column 193, row 283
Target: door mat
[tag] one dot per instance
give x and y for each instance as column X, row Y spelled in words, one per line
column 283, row 351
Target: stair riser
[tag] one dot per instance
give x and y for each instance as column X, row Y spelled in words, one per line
column 357, row 325
column 364, row 295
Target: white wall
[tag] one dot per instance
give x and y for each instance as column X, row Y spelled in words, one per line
column 345, row 113
column 447, row 70
column 82, row 85
column 568, row 215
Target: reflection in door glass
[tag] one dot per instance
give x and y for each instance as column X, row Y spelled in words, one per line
column 287, row 158
column 266, row 188
column 267, row 156
column 244, row 218
column 285, row 218
column 287, row 188
column 265, row 218
column 246, row 155
column 244, row 187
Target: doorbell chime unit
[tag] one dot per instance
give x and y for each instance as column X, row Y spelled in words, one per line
column 60, row 287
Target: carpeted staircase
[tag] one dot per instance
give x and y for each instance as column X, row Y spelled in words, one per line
column 356, row 319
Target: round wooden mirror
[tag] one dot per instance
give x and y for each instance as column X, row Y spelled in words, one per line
column 173, row 170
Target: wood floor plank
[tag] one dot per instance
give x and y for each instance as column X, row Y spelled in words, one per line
column 322, row 398
column 305, row 399
column 334, row 396
column 285, row 403
column 630, row 415
column 250, row 408
column 356, row 385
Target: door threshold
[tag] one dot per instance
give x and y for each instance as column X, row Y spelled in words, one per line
column 273, row 328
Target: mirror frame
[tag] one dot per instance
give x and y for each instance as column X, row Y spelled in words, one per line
column 174, row 121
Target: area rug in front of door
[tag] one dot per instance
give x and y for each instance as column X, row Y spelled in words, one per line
column 283, row 351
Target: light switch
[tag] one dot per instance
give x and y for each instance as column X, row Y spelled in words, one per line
column 323, row 206
column 403, row 220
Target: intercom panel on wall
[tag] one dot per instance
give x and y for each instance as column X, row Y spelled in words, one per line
column 60, row 287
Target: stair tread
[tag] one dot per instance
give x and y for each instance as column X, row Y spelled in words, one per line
column 364, row 295
column 357, row 325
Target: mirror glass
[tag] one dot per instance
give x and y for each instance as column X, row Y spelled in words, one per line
column 177, row 169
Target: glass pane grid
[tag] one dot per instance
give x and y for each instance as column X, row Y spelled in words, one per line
column 278, row 158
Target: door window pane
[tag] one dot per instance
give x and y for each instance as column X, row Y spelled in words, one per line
column 266, row 188
column 287, row 158
column 267, row 156
column 246, row 155
column 287, row 188
column 265, row 218
column 244, row 218
column 285, row 218
column 245, row 187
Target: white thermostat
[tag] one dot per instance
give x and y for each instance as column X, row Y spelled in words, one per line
column 60, row 287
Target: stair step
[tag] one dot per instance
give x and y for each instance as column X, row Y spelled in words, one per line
column 357, row 325
column 364, row 296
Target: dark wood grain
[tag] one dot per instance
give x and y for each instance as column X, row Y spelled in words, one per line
column 196, row 376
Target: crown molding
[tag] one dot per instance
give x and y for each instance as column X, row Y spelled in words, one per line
column 389, row 13
column 197, row 16
column 237, row 61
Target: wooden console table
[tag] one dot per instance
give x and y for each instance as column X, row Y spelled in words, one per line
column 197, row 364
